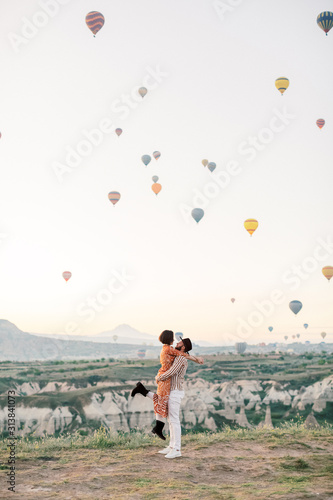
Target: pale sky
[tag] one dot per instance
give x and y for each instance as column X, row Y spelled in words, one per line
column 210, row 72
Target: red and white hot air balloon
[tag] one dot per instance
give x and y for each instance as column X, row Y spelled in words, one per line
column 66, row 275
column 320, row 123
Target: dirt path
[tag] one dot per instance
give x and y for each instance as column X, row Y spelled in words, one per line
column 243, row 470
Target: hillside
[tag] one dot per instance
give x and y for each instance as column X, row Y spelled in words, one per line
column 245, row 390
column 292, row 463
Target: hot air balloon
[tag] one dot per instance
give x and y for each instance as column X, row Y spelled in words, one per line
column 114, row 197
column 66, row 275
column 286, row 337
column 232, row 300
column 323, row 335
column 240, row 347
column 298, row 335
column 143, row 91
column 270, row 328
column 211, row 166
column 325, row 21
column 141, row 353
column 251, row 225
column 156, row 155
column 154, row 178
column 197, row 214
column 156, row 187
column 205, row 163
column 305, row 325
column 115, row 338
column 282, row 84
column 293, row 336
column 179, row 336
column 95, row 21
column 146, row 159
column 320, row 122
column 118, row 131
column 295, row 306
column 327, row 272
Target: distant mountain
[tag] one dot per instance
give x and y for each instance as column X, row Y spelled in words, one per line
column 16, row 345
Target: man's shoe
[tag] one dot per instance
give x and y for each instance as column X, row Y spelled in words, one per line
column 158, row 429
column 173, row 454
column 165, row 451
column 139, row 389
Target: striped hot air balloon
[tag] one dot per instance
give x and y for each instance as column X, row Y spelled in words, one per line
column 156, row 155
column 95, row 21
column 211, row 166
column 282, row 84
column 325, row 21
column 320, row 123
column 114, row 197
column 118, row 131
column 328, row 272
column 251, row 225
column 66, row 275
column 156, row 187
column 155, row 178
column 142, row 91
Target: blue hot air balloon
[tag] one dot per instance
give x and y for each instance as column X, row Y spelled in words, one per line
column 270, row 328
column 305, row 325
column 295, row 306
column 179, row 336
column 197, row 214
column 155, row 178
column 211, row 166
column 325, row 21
column 146, row 159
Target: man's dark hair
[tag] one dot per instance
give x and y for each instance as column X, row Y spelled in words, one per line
column 188, row 344
column 166, row 337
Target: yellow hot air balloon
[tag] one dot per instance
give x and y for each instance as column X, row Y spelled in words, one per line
column 282, row 84
column 156, row 187
column 327, row 272
column 205, row 163
column 251, row 225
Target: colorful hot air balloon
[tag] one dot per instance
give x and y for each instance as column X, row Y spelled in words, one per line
column 251, row 225
column 305, row 325
column 141, row 353
column 205, row 163
column 211, row 166
column 66, row 275
column 325, row 21
column 156, row 155
column 323, row 335
column 320, row 122
column 156, row 187
column 114, row 197
column 327, row 272
column 118, row 131
column 197, row 214
column 154, row 178
column 293, row 336
column 95, row 21
column 270, row 328
column 143, row 91
column 232, row 300
column 286, row 337
column 282, row 84
column 146, row 159
column 295, row 306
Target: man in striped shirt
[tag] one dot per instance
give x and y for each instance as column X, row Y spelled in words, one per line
column 176, row 373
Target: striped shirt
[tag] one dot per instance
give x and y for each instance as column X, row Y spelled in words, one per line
column 177, row 373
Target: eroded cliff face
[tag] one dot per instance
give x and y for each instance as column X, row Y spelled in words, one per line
column 204, row 405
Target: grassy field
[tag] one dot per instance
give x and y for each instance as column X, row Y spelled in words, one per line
column 287, row 463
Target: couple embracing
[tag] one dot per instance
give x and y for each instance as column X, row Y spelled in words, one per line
column 170, row 390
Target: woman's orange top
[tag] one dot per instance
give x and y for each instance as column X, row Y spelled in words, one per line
column 167, row 357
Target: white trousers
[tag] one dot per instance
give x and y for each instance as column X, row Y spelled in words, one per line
column 174, row 402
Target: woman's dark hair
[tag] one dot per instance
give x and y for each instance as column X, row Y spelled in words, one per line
column 166, row 337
